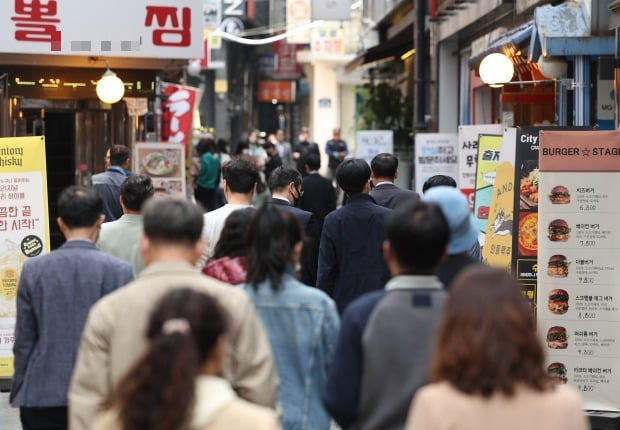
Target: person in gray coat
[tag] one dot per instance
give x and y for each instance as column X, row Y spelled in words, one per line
column 55, row 294
column 384, row 169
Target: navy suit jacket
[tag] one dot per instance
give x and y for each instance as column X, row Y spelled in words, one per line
column 351, row 253
column 55, row 294
column 310, row 226
column 391, row 196
column 319, row 196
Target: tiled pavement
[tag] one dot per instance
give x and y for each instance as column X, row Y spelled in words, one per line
column 9, row 417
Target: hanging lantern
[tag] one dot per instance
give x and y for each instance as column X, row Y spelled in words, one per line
column 110, row 88
column 496, row 70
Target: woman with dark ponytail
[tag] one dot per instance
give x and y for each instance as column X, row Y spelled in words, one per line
column 301, row 322
column 176, row 384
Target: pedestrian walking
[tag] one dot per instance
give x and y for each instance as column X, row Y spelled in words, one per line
column 384, row 168
column 336, row 149
column 108, row 183
column 208, row 179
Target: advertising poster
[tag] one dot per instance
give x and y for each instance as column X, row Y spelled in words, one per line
column 497, row 250
column 164, row 163
column 468, row 151
column 579, row 249
column 435, row 154
column 373, row 142
column 24, row 227
column 489, row 147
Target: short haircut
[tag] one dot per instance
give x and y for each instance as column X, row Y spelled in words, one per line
column 352, row 174
column 438, row 181
column 135, row 191
column 313, row 161
column 172, row 220
column 282, row 176
column 240, row 175
column 422, row 224
column 79, row 206
column 118, row 154
column 384, row 165
column 268, row 145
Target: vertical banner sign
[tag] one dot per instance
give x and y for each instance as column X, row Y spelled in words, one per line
column 164, row 163
column 24, row 227
column 497, row 251
column 468, row 150
column 178, row 111
column 373, row 142
column 579, row 249
column 489, row 147
column 298, row 14
column 435, row 154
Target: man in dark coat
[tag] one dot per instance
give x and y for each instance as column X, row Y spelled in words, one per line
column 303, row 149
column 319, row 194
column 108, row 183
column 351, row 256
column 55, row 294
column 384, row 170
column 285, row 184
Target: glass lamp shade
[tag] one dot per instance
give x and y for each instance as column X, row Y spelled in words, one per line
column 110, row 88
column 552, row 67
column 496, row 70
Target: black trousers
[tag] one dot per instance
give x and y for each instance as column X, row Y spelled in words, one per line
column 44, row 418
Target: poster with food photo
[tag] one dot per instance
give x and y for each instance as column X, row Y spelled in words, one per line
column 578, row 252
column 164, row 163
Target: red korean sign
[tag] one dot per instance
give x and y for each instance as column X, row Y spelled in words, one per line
column 178, row 112
column 282, row 91
column 138, row 28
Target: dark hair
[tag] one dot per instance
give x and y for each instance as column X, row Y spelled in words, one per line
column 268, row 145
column 118, row 155
column 313, row 161
column 424, row 225
column 79, row 206
column 234, row 234
column 384, row 166
column 352, row 174
column 158, row 392
column 222, row 145
column 240, row 175
column 206, row 145
column 282, row 176
column 172, row 220
column 271, row 238
column 486, row 341
column 437, row 181
column 135, row 191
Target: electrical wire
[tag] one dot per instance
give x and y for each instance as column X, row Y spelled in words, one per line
column 268, row 40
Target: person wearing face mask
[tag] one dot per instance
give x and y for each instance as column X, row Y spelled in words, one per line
column 303, row 148
column 286, row 188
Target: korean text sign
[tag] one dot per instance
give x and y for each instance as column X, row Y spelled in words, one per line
column 578, row 253
column 137, row 28
column 373, row 142
column 435, row 154
column 489, row 148
column 24, row 227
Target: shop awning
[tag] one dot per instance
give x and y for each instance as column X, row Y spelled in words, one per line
column 508, row 43
column 394, row 47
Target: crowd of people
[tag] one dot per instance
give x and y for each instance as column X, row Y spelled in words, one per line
column 292, row 313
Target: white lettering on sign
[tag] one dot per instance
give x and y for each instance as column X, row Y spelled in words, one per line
column 233, row 8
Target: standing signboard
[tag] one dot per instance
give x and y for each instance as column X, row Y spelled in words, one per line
column 164, row 163
column 489, row 147
column 579, row 249
column 24, row 227
column 370, row 143
column 468, row 150
column 435, row 154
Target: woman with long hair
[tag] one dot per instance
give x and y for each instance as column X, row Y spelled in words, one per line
column 228, row 263
column 487, row 371
column 301, row 322
column 176, row 384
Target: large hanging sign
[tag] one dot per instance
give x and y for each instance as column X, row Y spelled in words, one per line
column 468, row 151
column 578, row 250
column 435, row 154
column 178, row 112
column 113, row 28
column 24, row 227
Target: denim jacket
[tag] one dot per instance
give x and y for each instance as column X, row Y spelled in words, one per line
column 302, row 325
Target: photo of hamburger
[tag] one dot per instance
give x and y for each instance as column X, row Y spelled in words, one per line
column 557, row 372
column 559, row 231
column 557, row 338
column 558, row 302
column 557, row 267
column 559, row 195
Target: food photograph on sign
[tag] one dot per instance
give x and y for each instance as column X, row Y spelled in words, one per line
column 557, row 267
column 559, row 230
column 557, row 338
column 558, row 301
column 164, row 164
column 557, row 372
column 528, row 188
column 528, row 234
column 559, row 195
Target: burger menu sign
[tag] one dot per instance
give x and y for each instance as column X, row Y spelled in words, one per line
column 578, row 249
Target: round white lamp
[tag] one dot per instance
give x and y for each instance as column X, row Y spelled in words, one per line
column 110, row 88
column 193, row 68
column 552, row 67
column 496, row 70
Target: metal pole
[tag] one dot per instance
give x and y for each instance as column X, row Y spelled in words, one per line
column 582, row 90
column 420, row 65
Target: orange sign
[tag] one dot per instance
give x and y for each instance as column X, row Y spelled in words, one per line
column 280, row 91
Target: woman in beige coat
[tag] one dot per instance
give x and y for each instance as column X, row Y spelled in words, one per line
column 487, row 371
column 176, row 385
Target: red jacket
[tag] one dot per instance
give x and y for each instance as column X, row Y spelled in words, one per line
column 226, row 269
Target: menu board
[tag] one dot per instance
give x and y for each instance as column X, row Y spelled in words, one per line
column 468, row 150
column 489, row 147
column 164, row 163
column 24, row 227
column 435, row 154
column 579, row 251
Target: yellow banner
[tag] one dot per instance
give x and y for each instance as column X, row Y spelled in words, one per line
column 497, row 250
column 24, row 226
